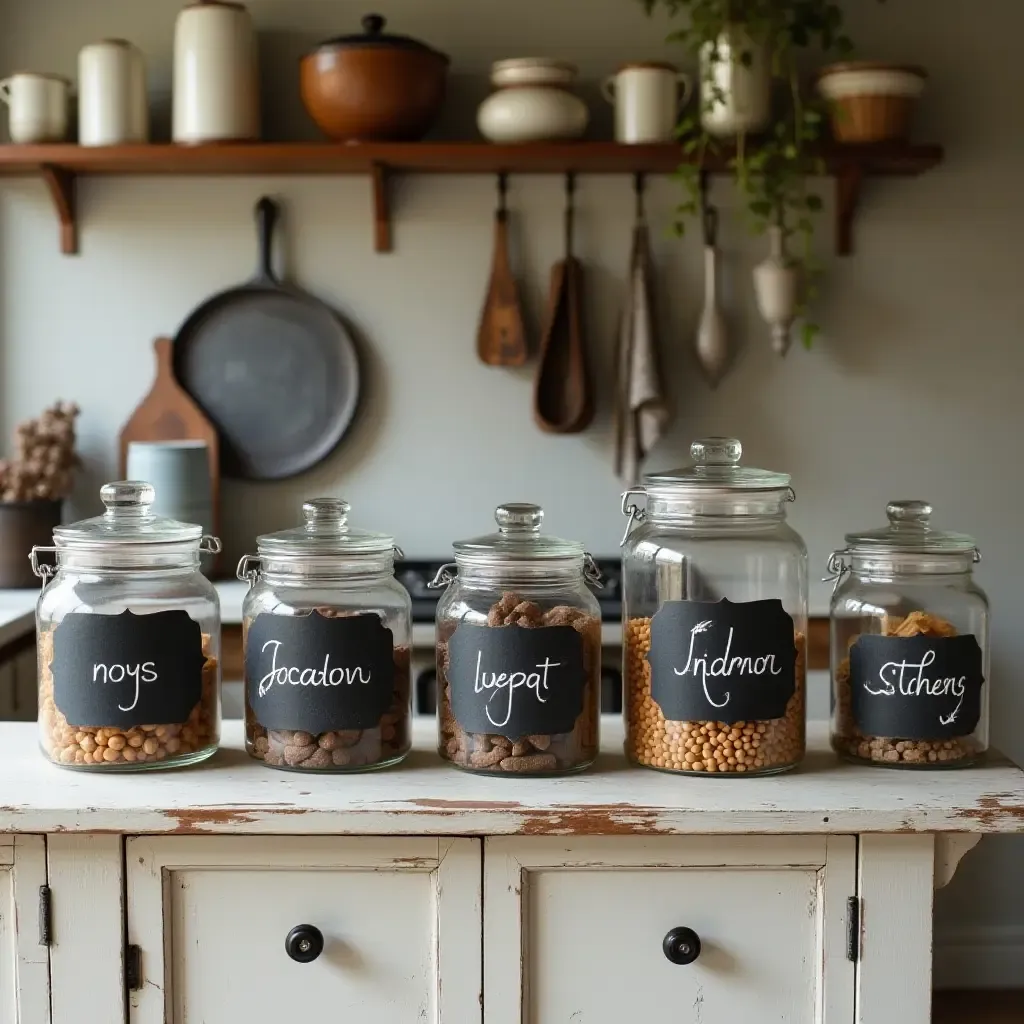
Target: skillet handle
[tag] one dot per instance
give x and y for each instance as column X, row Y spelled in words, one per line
column 266, row 221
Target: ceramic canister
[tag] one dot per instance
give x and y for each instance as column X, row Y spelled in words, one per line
column 216, row 92
column 112, row 102
column 38, row 106
column 647, row 100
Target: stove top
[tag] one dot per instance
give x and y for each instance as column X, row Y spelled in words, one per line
column 415, row 575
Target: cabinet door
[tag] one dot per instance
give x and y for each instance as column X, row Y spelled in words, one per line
column 213, row 915
column 24, row 961
column 587, row 930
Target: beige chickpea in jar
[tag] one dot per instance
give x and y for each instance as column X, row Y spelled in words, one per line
column 850, row 741
column 534, row 753
column 706, row 746
column 113, row 747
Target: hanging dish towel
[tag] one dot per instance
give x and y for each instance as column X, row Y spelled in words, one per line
column 641, row 412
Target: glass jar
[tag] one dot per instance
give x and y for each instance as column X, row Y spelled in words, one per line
column 326, row 632
column 518, row 651
column 714, row 619
column 128, row 634
column 910, row 652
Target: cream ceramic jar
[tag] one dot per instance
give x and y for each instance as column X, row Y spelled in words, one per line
column 533, row 102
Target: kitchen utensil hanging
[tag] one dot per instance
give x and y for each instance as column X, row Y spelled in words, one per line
column 641, row 412
column 562, row 397
column 501, row 336
column 274, row 368
column 712, row 335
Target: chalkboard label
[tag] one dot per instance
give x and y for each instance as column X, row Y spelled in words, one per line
column 722, row 662
column 127, row 670
column 317, row 673
column 916, row 687
column 516, row 681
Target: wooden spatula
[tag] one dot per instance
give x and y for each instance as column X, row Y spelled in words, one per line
column 167, row 413
column 501, row 336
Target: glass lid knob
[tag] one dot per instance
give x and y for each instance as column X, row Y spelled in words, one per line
column 716, row 451
column 127, row 498
column 519, row 518
column 908, row 513
column 325, row 513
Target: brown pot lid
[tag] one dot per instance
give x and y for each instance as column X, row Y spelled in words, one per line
column 651, row 65
column 373, row 37
column 870, row 65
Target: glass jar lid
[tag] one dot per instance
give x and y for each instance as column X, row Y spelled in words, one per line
column 325, row 534
column 517, row 540
column 128, row 520
column 716, row 469
column 910, row 532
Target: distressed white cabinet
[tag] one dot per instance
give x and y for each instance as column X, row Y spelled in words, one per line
column 721, row 929
column 235, row 929
column 447, row 898
column 24, row 960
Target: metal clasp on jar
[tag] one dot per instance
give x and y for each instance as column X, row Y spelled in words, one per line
column 209, row 545
column 591, row 573
column 445, row 575
column 635, row 512
column 250, row 567
column 837, row 569
column 43, row 570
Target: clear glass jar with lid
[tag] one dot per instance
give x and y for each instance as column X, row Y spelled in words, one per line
column 714, row 618
column 910, row 650
column 518, row 651
column 128, row 634
column 326, row 635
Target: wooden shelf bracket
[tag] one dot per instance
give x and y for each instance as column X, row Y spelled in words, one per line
column 62, row 186
column 849, row 180
column 382, row 241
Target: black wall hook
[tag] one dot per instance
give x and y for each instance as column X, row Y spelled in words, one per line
column 639, row 187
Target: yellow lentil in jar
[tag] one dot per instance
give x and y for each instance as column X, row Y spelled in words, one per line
column 709, row 747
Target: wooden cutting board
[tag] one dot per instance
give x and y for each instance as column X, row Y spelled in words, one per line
column 167, row 413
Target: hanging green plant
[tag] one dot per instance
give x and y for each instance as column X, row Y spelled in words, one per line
column 749, row 47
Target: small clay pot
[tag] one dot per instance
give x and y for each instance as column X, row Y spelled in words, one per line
column 24, row 525
column 871, row 102
column 374, row 87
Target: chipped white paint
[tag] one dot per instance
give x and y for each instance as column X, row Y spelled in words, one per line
column 26, row 962
column 233, row 794
column 590, row 915
column 895, row 973
column 86, row 875
column 394, row 913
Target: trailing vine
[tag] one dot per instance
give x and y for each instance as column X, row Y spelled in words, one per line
column 773, row 171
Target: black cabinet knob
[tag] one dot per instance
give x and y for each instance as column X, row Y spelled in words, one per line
column 304, row 943
column 681, row 946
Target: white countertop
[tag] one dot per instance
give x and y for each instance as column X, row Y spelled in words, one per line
column 425, row 796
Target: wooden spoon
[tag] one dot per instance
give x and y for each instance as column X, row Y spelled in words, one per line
column 562, row 398
column 501, row 337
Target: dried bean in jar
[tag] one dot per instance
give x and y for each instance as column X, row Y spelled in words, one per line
column 931, row 751
column 499, row 749
column 706, row 746
column 106, row 748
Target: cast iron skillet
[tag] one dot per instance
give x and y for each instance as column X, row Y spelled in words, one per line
column 275, row 369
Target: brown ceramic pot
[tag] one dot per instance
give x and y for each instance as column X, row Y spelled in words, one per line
column 23, row 526
column 374, row 87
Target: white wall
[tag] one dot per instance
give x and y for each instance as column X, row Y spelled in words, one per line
column 913, row 391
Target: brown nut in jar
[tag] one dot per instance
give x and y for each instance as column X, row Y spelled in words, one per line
column 706, row 746
column 338, row 750
column 896, row 751
column 538, row 753
column 111, row 747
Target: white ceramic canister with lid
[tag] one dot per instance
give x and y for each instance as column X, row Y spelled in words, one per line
column 532, row 102
column 112, row 102
column 216, row 89
column 647, row 99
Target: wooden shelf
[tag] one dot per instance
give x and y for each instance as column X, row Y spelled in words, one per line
column 61, row 165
